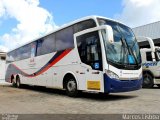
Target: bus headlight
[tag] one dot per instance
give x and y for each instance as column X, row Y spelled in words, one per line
column 112, row 74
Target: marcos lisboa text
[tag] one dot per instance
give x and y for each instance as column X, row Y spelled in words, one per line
column 141, row 116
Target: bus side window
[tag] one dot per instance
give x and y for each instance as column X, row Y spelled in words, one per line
column 156, row 56
column 24, row 52
column 64, row 39
column 89, row 50
column 84, row 25
column 11, row 57
column 33, row 49
column 148, row 56
column 3, row 58
column 46, row 45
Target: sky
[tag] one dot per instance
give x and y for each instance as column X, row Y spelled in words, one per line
column 24, row 20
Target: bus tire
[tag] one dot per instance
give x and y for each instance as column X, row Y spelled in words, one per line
column 18, row 82
column 147, row 81
column 13, row 81
column 71, row 87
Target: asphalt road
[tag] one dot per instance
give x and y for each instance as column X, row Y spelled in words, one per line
column 39, row 100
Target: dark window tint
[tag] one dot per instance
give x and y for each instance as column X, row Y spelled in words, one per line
column 3, row 58
column 23, row 52
column 89, row 50
column 84, row 25
column 33, row 48
column 11, row 56
column 157, row 55
column 148, row 56
column 46, row 45
column 64, row 39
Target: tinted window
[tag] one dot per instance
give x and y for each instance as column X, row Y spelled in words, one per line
column 148, row 56
column 156, row 55
column 84, row 25
column 3, row 58
column 64, row 39
column 89, row 50
column 33, row 48
column 11, row 56
column 23, row 52
column 46, row 45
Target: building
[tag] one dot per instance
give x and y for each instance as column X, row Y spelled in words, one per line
column 2, row 65
column 151, row 30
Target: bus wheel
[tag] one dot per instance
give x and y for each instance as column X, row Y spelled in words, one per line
column 18, row 83
column 71, row 87
column 13, row 81
column 147, row 81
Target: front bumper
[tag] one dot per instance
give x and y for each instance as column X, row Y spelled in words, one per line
column 113, row 85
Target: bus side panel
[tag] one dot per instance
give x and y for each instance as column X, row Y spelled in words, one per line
column 44, row 71
column 20, row 68
column 17, row 67
column 72, row 64
column 69, row 64
column 30, row 72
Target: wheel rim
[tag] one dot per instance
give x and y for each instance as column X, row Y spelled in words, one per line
column 71, row 86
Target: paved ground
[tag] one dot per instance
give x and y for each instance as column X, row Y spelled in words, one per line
column 37, row 100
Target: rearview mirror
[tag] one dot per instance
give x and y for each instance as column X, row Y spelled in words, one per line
column 107, row 29
column 109, row 34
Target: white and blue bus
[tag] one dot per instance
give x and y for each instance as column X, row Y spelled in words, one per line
column 90, row 54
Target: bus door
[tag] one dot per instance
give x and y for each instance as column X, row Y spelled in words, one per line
column 89, row 49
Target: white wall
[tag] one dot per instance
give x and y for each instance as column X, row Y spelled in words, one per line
column 2, row 70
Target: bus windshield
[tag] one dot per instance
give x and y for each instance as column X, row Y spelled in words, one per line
column 157, row 54
column 124, row 52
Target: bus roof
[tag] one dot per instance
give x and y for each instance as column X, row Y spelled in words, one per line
column 94, row 17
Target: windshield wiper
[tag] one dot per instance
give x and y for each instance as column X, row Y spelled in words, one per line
column 131, row 51
column 133, row 44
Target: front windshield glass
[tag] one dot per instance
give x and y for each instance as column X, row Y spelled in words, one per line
column 157, row 54
column 124, row 50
